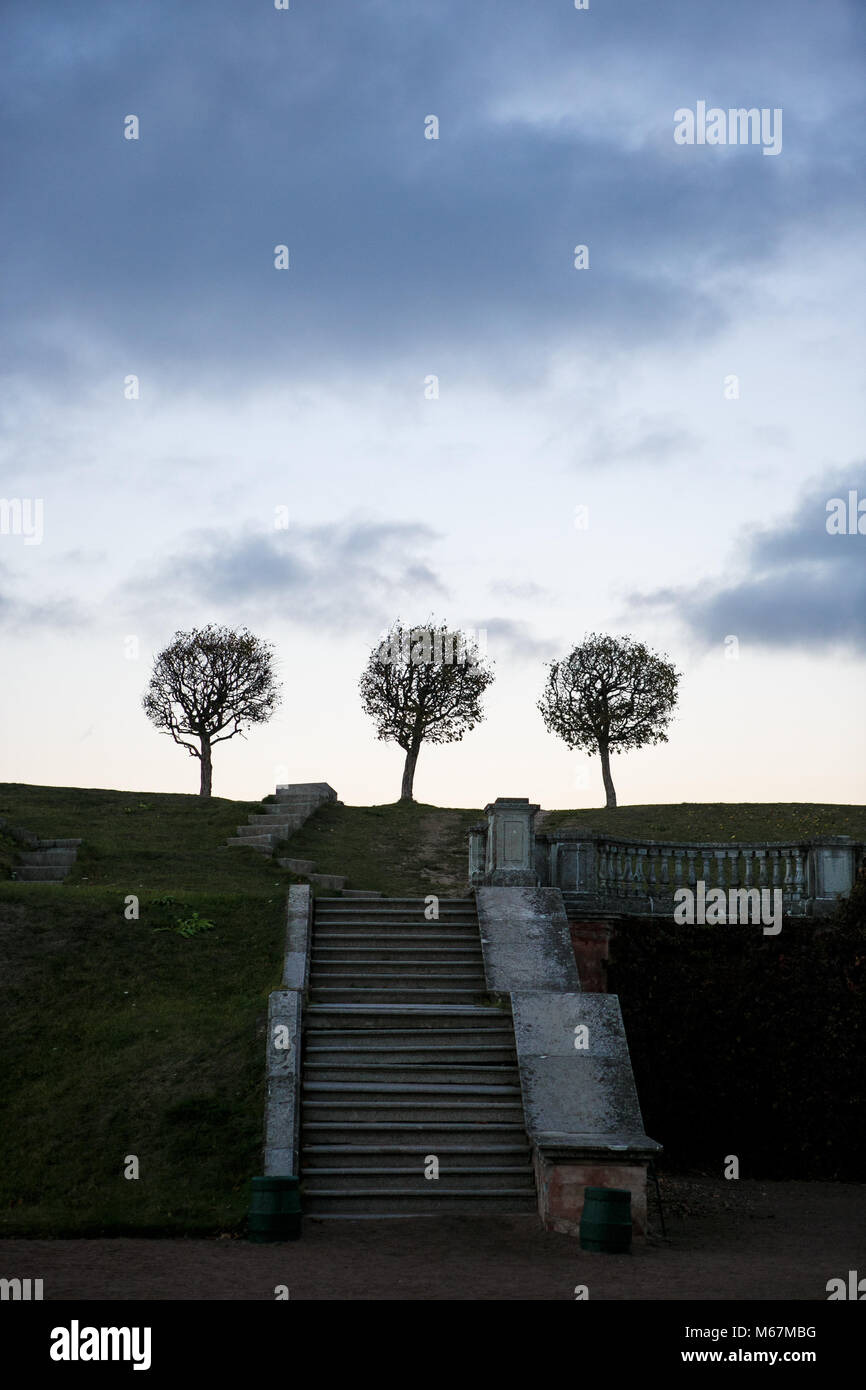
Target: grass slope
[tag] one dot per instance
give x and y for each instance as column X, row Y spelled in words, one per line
column 123, row 1037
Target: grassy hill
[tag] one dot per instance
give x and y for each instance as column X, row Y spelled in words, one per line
column 125, row 1037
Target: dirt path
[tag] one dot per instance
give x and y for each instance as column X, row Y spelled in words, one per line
column 743, row 1240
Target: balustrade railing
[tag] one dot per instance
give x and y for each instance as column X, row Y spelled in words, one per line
column 643, row 875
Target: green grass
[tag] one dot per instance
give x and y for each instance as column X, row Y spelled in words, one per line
column 120, row 1038
column 755, row 820
column 402, row 849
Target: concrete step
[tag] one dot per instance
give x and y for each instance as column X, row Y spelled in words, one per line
column 58, row 844
column 411, row 1052
column 422, row 1016
column 272, row 825
column 48, row 856
column 297, row 866
column 339, row 1157
column 373, row 972
column 421, row 1111
column 418, row 1073
column 426, row 1134
column 398, row 955
column 385, row 942
column 382, row 994
column 395, row 907
column 464, row 904
column 395, row 927
column 273, row 831
column 261, row 843
column 327, row 880
column 350, row 1204
column 512, row 1177
column 360, row 893
column 41, row 873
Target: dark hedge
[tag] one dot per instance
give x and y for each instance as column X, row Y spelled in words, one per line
column 749, row 1044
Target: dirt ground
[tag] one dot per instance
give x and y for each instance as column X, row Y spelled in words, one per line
column 725, row 1240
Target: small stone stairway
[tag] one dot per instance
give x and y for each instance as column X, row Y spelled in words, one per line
column 403, row 1061
column 279, row 819
column 47, row 861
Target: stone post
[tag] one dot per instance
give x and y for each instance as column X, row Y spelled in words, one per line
column 830, row 869
column 510, row 859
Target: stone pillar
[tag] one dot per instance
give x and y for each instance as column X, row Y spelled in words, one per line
column 831, row 869
column 510, row 859
column 477, row 852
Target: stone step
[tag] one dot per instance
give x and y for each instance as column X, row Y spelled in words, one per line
column 397, row 994
column 399, row 955
column 385, row 941
column 360, row 893
column 401, row 1074
column 41, row 873
column 403, row 1016
column 297, row 866
column 420, row 1111
column 58, row 844
column 425, row 1133
column 273, row 831
column 392, row 908
column 411, row 1052
column 272, row 825
column 463, row 904
column 263, row 844
column 379, row 971
column 351, row 1204
column 338, row 1157
column 511, row 1177
column 326, row 880
column 48, row 856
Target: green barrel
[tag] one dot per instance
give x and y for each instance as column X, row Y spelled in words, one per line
column 275, row 1210
column 606, row 1220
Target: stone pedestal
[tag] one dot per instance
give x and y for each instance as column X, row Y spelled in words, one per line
column 510, row 860
column 562, row 1183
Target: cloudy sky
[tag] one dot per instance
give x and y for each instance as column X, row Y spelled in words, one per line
column 694, row 394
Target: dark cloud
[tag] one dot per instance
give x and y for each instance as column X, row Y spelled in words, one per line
column 306, row 128
column 335, row 577
column 802, row 586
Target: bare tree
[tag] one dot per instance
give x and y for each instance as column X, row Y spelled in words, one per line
column 610, row 694
column 209, row 681
column 424, row 685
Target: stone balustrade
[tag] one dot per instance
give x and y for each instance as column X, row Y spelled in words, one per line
column 598, row 870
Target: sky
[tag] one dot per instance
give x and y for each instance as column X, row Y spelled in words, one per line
column 435, row 412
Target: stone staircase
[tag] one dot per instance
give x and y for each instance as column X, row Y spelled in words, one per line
column 46, row 861
column 279, row 819
column 404, row 1061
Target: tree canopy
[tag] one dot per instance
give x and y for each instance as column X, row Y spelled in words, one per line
column 211, row 684
column 424, row 685
column 608, row 695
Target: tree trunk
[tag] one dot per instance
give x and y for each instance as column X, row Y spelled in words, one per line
column 609, row 791
column 409, row 772
column 206, row 769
